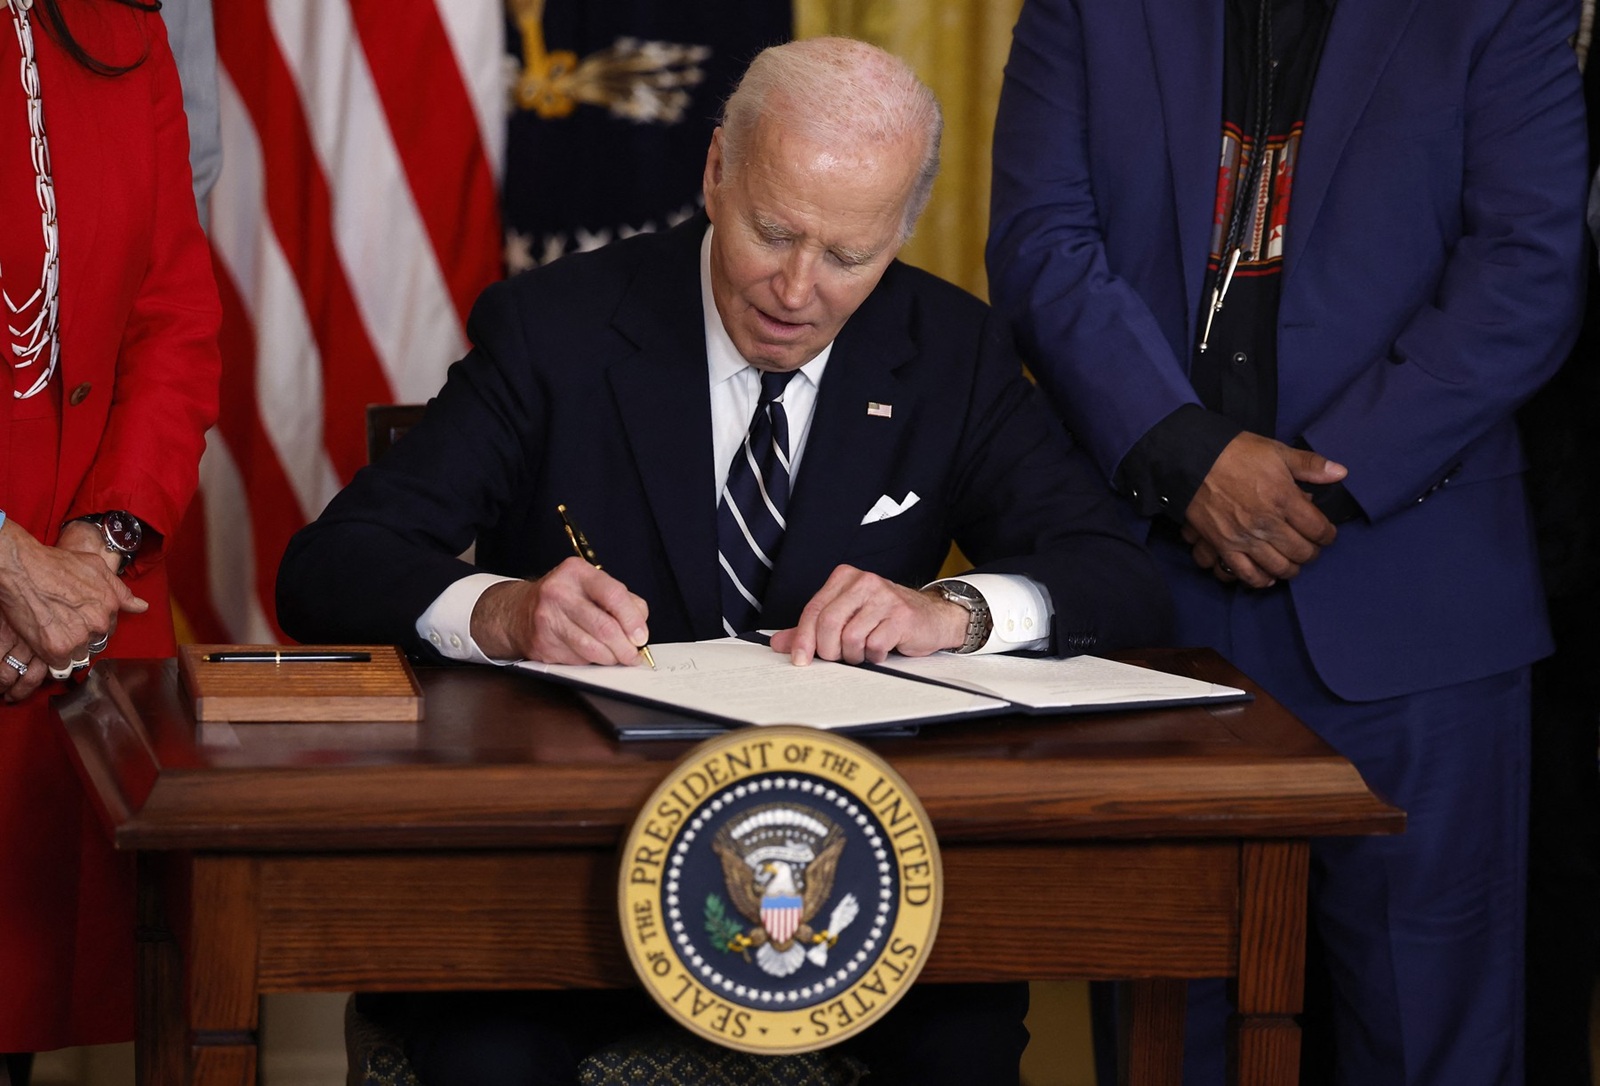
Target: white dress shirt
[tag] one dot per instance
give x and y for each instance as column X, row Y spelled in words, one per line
column 1019, row 605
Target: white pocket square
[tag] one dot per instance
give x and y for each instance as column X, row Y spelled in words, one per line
column 886, row 507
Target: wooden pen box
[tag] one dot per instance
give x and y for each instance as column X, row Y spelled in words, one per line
column 382, row 688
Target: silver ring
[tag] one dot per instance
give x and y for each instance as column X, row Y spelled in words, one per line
column 1224, row 567
column 20, row 667
column 99, row 644
column 76, row 664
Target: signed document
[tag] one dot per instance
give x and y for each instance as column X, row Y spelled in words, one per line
column 737, row 682
column 733, row 682
column 1076, row 684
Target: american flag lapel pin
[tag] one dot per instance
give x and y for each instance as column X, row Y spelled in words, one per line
column 879, row 410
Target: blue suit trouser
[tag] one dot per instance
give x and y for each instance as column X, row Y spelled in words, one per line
column 1422, row 932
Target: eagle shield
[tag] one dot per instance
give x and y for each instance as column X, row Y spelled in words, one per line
column 781, row 916
column 779, row 862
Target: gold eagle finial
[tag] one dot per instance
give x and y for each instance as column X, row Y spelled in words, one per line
column 639, row 80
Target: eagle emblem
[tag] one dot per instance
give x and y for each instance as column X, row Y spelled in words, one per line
column 641, row 81
column 765, row 901
column 778, row 863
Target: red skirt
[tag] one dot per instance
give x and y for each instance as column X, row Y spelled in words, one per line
column 66, row 897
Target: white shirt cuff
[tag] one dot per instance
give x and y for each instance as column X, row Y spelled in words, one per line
column 447, row 623
column 1020, row 608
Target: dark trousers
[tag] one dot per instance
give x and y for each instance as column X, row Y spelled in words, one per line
column 1421, row 932
column 937, row 1035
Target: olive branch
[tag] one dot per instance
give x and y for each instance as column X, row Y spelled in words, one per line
column 722, row 928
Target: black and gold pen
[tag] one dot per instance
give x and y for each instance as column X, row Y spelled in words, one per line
column 580, row 544
column 287, row 656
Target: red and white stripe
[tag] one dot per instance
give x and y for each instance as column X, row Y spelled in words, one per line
column 781, row 918
column 353, row 224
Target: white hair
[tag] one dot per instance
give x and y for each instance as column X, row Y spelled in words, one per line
column 837, row 92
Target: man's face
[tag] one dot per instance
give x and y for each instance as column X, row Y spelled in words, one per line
column 803, row 234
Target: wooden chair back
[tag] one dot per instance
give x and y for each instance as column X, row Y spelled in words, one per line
column 387, row 423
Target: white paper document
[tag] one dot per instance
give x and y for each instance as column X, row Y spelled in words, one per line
column 1079, row 682
column 744, row 683
column 737, row 682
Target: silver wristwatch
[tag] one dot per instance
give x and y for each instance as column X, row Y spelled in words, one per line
column 122, row 532
column 979, row 622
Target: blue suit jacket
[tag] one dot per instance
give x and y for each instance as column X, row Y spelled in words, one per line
column 587, row 385
column 1432, row 280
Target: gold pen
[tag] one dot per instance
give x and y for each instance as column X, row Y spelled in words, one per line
column 580, row 544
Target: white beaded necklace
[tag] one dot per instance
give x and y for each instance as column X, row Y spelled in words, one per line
column 37, row 338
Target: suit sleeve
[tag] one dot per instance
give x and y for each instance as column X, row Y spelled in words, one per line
column 1495, row 312
column 1026, row 501
column 1507, row 306
column 167, row 367
column 385, row 547
column 1095, row 346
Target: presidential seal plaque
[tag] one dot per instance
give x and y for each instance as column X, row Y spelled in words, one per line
column 780, row 890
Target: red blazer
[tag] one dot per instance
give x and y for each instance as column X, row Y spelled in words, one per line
column 139, row 369
column 139, row 311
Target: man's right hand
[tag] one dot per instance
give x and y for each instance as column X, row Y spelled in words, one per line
column 575, row 614
column 1251, row 519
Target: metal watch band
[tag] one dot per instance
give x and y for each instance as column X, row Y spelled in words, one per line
column 980, row 624
column 126, row 524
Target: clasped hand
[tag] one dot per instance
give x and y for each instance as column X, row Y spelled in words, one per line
column 579, row 614
column 55, row 602
column 1250, row 520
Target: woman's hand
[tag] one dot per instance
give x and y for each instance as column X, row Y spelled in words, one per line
column 21, row 671
column 59, row 599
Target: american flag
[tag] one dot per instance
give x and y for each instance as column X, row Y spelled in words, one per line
column 353, row 224
column 356, row 219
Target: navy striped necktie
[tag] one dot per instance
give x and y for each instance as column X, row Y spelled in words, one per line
column 755, row 500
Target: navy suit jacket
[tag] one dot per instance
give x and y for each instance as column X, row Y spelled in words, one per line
column 587, row 385
column 1431, row 282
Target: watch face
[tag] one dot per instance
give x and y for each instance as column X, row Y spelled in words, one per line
column 961, row 592
column 123, row 531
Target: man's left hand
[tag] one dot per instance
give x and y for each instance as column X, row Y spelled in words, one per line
column 858, row 616
column 1206, row 556
column 1251, row 521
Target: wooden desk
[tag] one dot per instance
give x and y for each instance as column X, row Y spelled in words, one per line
column 477, row 849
